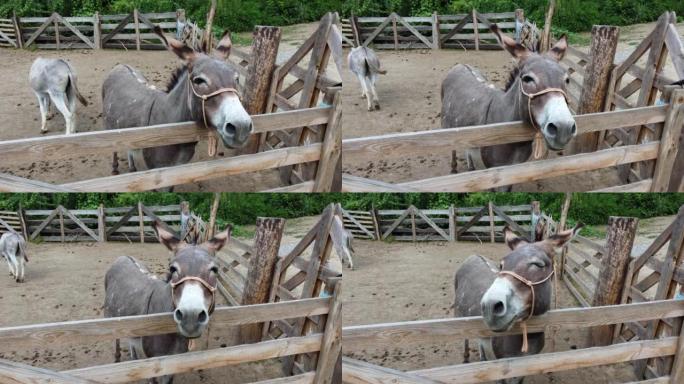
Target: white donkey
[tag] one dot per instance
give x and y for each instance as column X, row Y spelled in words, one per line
column 13, row 249
column 364, row 63
column 55, row 79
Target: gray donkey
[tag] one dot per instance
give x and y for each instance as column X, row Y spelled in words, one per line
column 55, row 79
column 515, row 291
column 364, row 63
column 13, row 249
column 202, row 90
column 188, row 291
column 535, row 93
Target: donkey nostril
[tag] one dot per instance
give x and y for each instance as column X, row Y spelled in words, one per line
column 574, row 129
column 551, row 129
column 202, row 317
column 229, row 129
column 499, row 308
column 178, row 315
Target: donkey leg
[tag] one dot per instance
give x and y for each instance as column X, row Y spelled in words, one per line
column 61, row 104
column 71, row 104
column 115, row 164
column 131, row 162
column 370, row 98
column 20, row 266
column 44, row 104
column 117, row 350
column 466, row 352
column 376, row 99
column 9, row 265
column 363, row 85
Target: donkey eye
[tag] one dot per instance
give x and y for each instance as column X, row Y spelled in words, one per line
column 537, row 264
column 199, row 80
column 528, row 79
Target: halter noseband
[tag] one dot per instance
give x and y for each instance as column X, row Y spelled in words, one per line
column 213, row 143
column 206, row 285
column 537, row 151
column 530, row 285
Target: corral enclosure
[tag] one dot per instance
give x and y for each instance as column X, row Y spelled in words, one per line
column 417, row 285
column 68, row 277
column 292, row 102
column 403, row 145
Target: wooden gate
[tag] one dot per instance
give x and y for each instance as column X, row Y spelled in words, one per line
column 653, row 276
column 67, row 32
column 9, row 34
column 135, row 223
column 581, row 265
column 61, row 224
column 11, row 221
column 361, row 224
column 300, row 274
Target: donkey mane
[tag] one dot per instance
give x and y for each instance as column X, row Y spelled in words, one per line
column 512, row 77
column 175, row 77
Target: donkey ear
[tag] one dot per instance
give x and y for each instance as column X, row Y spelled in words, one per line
column 516, row 50
column 560, row 239
column 219, row 240
column 167, row 238
column 512, row 240
column 539, row 230
column 557, row 52
column 222, row 50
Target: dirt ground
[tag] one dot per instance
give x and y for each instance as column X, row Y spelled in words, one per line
column 394, row 282
column 410, row 101
column 66, row 282
column 20, row 115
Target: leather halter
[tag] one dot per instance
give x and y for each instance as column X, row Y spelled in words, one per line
column 206, row 285
column 539, row 151
column 213, row 143
column 530, row 285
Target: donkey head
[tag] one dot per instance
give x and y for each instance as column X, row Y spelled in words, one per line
column 193, row 278
column 213, row 95
column 543, row 85
column 523, row 286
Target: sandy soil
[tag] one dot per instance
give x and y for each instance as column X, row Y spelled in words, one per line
column 20, row 115
column 65, row 282
column 395, row 282
column 410, row 100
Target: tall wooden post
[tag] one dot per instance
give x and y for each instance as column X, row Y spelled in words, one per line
column 212, row 217
column 265, row 43
column 22, row 223
column 545, row 43
column 97, row 30
column 180, row 19
column 604, row 39
column 476, row 31
column 672, row 178
column 561, row 226
column 413, row 223
column 331, row 346
column 395, row 33
column 619, row 241
column 331, row 150
column 56, row 26
column 61, row 223
column 677, row 374
column 136, row 21
column 535, row 213
column 207, row 43
column 491, row 223
column 376, row 223
column 269, row 232
column 436, row 42
column 452, row 223
column 184, row 208
column 354, row 20
column 101, row 224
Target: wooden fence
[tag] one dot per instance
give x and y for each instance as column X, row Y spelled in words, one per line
column 453, row 224
column 133, row 30
column 321, row 342
column 422, row 332
column 613, row 132
column 463, row 31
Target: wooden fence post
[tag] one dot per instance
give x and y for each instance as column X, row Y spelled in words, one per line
column 376, row 223
column 452, row 223
column 668, row 174
column 331, row 150
column 56, row 26
column 331, row 346
column 184, row 208
column 354, row 21
column 476, row 30
column 604, row 39
column 141, row 221
column 269, row 232
column 436, row 44
column 180, row 18
column 97, row 30
column 491, row 223
column 677, row 374
column 535, row 215
column 561, row 227
column 101, row 224
column 413, row 223
column 260, row 70
column 619, row 241
column 61, row 223
column 394, row 32
column 17, row 30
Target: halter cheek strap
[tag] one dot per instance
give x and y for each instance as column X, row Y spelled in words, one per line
column 206, row 285
column 213, row 143
column 539, row 150
column 530, row 285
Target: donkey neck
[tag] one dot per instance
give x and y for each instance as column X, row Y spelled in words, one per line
column 510, row 103
column 176, row 104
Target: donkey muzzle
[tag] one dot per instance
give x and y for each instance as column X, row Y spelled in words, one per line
column 558, row 125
